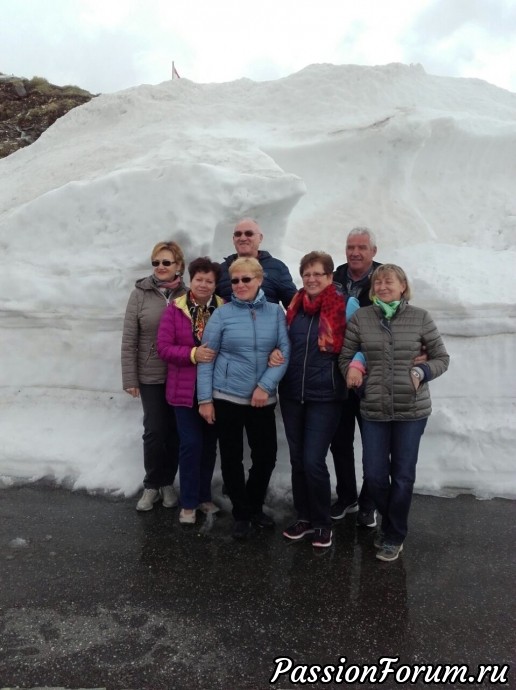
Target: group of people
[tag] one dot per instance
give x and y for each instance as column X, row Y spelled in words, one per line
column 212, row 360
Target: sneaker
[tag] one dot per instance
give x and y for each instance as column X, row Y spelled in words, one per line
column 339, row 510
column 168, row 496
column 379, row 538
column 147, row 499
column 298, row 530
column 367, row 518
column 242, row 529
column 209, row 508
column 187, row 516
column 322, row 537
column 389, row 552
column 262, row 520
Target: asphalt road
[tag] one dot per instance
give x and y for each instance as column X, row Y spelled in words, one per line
column 96, row 595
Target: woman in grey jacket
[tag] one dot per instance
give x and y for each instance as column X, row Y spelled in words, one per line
column 396, row 399
column 237, row 390
column 144, row 373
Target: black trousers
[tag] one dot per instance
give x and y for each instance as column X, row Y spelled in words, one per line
column 342, row 449
column 160, row 437
column 259, row 423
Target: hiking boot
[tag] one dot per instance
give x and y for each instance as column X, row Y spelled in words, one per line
column 168, row 496
column 298, row 530
column 322, row 537
column 367, row 518
column 339, row 510
column 389, row 552
column 147, row 499
column 242, row 529
column 262, row 520
column 379, row 538
column 187, row 516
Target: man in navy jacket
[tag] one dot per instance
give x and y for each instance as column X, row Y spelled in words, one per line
column 354, row 278
column 277, row 285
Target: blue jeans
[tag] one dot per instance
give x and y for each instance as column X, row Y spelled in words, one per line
column 309, row 428
column 390, row 457
column 160, row 439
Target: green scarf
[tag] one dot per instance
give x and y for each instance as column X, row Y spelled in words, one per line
column 388, row 308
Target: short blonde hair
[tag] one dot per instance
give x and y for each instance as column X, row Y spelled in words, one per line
column 398, row 272
column 248, row 264
column 171, row 247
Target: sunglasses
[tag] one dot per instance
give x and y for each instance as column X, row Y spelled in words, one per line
column 247, row 233
column 245, row 279
column 165, row 262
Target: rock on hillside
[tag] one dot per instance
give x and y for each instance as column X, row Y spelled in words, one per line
column 29, row 106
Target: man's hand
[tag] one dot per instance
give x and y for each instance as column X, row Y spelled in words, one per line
column 135, row 392
column 422, row 357
column 354, row 378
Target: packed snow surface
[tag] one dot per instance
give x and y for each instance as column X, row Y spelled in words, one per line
column 428, row 163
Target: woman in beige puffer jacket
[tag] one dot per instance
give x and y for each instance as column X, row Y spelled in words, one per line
column 395, row 402
column 144, row 373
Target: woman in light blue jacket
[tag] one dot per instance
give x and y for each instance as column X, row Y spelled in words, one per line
column 237, row 390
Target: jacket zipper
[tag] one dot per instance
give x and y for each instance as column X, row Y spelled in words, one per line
column 304, row 362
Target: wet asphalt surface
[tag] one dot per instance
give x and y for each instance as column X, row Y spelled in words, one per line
column 96, row 595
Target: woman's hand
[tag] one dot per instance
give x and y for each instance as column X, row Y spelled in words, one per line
column 276, row 358
column 207, row 412
column 259, row 398
column 421, row 358
column 135, row 392
column 204, row 354
column 354, row 378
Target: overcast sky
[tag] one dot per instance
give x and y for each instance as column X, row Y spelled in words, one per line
column 108, row 45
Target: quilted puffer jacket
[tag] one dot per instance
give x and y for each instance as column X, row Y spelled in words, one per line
column 140, row 361
column 243, row 335
column 175, row 344
column 389, row 348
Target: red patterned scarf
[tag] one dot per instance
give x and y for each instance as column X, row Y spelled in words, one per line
column 332, row 319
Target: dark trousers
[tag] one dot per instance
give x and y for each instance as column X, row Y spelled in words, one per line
column 309, row 428
column 342, row 448
column 259, row 423
column 160, row 437
column 197, row 455
column 390, row 457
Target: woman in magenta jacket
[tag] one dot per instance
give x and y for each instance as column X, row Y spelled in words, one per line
column 179, row 343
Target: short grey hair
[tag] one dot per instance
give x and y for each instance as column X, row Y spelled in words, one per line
column 364, row 231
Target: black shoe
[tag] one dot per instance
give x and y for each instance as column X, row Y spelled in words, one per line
column 367, row 518
column 242, row 529
column 263, row 520
column 322, row 537
column 339, row 510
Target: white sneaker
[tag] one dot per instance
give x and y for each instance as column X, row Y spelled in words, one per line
column 169, row 496
column 187, row 517
column 209, row 508
column 148, row 499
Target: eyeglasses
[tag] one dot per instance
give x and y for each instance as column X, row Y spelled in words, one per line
column 245, row 279
column 313, row 275
column 165, row 262
column 247, row 233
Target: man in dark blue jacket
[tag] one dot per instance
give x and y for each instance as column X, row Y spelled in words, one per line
column 354, row 278
column 277, row 281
